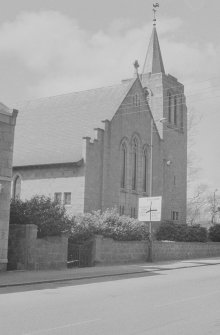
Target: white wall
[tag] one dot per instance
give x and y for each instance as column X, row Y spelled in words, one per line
column 49, row 186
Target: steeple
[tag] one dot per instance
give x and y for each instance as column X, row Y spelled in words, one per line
column 153, row 62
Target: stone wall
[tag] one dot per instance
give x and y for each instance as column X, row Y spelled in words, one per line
column 107, row 251
column 7, row 124
column 174, row 142
column 27, row 252
column 103, row 157
column 163, row 251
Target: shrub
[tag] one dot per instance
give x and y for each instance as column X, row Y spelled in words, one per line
column 108, row 224
column 214, row 233
column 181, row 232
column 49, row 216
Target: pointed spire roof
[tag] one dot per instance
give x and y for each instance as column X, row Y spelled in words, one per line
column 153, row 61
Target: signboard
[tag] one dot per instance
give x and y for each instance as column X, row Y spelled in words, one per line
column 149, row 209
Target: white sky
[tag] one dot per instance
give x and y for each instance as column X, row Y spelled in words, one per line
column 50, row 47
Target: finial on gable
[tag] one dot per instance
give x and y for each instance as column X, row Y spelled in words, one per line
column 155, row 8
column 136, row 66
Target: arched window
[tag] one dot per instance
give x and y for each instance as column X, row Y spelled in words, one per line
column 145, row 170
column 169, row 106
column 175, row 111
column 134, row 163
column 17, row 187
column 123, row 165
column 181, row 112
column 136, row 100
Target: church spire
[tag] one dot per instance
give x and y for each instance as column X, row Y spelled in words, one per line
column 153, row 61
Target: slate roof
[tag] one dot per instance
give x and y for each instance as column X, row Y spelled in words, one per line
column 50, row 130
column 5, row 110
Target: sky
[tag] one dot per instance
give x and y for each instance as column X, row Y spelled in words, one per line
column 50, row 47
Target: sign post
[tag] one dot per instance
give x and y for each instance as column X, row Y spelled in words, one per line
column 149, row 210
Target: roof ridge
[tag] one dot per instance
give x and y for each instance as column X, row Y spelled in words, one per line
column 74, row 92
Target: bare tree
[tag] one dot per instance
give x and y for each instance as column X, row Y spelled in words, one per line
column 193, row 168
column 197, row 204
column 213, row 207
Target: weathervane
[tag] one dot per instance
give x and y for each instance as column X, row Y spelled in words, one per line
column 155, row 8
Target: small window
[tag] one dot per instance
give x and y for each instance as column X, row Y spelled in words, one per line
column 136, row 100
column 175, row 216
column 67, row 198
column 58, row 197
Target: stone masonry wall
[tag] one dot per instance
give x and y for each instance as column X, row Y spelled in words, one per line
column 174, row 142
column 27, row 252
column 107, row 251
column 164, row 251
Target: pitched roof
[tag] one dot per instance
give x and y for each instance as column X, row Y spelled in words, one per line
column 50, row 130
column 5, row 110
column 153, row 62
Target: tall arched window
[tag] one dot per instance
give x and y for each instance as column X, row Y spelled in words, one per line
column 123, row 165
column 17, row 187
column 134, row 163
column 169, row 106
column 175, row 111
column 145, row 170
column 181, row 112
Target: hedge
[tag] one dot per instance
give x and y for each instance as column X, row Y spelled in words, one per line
column 49, row 216
column 181, row 232
column 108, row 224
column 214, row 233
column 51, row 219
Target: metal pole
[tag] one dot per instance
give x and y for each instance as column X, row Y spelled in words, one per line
column 151, row 191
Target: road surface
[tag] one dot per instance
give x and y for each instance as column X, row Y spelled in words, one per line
column 182, row 301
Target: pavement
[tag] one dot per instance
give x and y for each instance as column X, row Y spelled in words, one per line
column 23, row 277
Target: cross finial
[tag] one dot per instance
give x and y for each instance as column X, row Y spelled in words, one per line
column 136, row 66
column 155, row 8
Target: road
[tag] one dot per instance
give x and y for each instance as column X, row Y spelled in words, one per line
column 182, row 301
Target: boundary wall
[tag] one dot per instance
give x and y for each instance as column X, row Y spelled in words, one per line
column 108, row 251
column 27, row 252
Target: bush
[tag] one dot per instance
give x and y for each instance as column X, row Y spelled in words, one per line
column 108, row 224
column 181, row 232
column 49, row 216
column 214, row 233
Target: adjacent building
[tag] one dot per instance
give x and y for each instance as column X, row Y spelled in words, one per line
column 7, row 125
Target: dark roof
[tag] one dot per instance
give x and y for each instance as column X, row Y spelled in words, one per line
column 50, row 130
column 5, row 110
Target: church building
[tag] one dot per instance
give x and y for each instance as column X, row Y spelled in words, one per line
column 107, row 147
